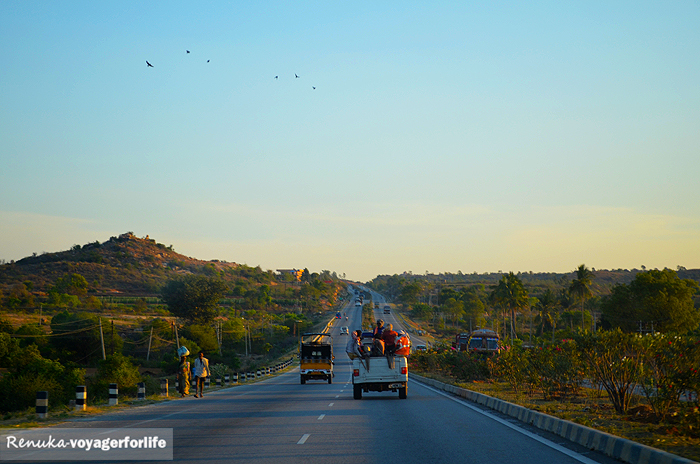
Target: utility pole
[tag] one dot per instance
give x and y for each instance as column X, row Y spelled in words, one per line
column 219, row 334
column 102, row 339
column 148, row 355
column 177, row 337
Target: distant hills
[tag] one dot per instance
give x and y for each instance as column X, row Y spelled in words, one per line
column 125, row 264
column 130, row 265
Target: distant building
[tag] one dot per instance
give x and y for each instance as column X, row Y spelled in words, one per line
column 295, row 273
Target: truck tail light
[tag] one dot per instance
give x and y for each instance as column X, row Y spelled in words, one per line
column 356, row 372
column 404, row 370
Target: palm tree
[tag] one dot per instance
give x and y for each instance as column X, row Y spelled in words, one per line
column 546, row 307
column 581, row 286
column 510, row 294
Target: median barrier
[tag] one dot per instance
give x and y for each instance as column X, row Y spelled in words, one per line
column 616, row 447
column 42, row 404
column 80, row 398
column 113, row 394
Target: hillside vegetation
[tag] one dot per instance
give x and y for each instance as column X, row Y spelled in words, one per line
column 112, row 311
column 125, row 264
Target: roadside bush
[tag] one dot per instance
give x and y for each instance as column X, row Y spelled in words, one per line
column 614, row 360
column 512, row 365
column 219, row 370
column 670, row 368
column 555, row 370
column 466, row 366
column 115, row 369
column 30, row 373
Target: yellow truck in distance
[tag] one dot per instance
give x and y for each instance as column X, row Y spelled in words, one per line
column 316, row 357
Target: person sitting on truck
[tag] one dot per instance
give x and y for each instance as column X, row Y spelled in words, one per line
column 354, row 348
column 389, row 337
column 379, row 329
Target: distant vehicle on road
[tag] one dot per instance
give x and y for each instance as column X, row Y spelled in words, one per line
column 344, row 330
column 316, row 357
column 483, row 341
column 337, row 315
column 421, row 348
column 387, row 309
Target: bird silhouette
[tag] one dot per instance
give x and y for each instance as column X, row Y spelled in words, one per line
column 187, row 51
column 149, row 64
column 313, row 88
column 276, row 77
column 295, row 75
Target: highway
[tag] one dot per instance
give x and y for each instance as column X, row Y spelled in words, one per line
column 279, row 420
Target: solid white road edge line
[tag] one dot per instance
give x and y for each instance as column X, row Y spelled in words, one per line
column 544, row 441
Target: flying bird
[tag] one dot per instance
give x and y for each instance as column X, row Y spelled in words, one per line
column 149, row 64
column 207, row 61
column 295, row 75
column 187, row 51
column 276, row 77
column 313, row 87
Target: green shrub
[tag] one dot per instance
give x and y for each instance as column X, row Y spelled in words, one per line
column 115, row 369
column 30, row 373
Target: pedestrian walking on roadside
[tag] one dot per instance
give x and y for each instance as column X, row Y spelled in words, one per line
column 183, row 376
column 183, row 372
column 201, row 372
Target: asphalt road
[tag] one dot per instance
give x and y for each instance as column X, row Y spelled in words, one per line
column 279, row 420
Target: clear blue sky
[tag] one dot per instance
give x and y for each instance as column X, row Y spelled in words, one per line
column 441, row 136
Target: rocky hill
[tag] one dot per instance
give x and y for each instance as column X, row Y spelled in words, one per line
column 125, row 264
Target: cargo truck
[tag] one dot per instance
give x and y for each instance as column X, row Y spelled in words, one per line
column 316, row 357
column 376, row 372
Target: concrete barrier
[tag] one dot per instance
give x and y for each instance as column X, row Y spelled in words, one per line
column 141, row 393
column 113, row 394
column 80, row 398
column 616, row 447
column 42, row 404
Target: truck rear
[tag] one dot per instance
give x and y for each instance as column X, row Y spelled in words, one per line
column 379, row 372
column 380, row 377
column 316, row 357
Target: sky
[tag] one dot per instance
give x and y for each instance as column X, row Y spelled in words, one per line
column 418, row 136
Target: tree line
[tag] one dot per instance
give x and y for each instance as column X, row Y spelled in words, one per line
column 201, row 312
column 653, row 301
